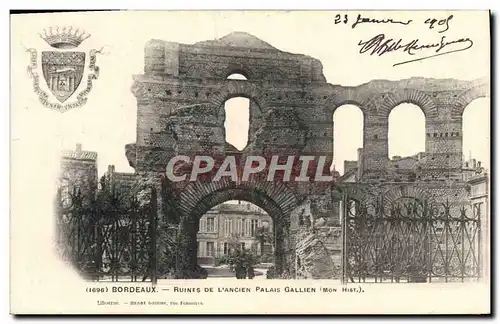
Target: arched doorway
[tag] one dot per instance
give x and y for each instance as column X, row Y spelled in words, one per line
column 197, row 199
column 235, row 232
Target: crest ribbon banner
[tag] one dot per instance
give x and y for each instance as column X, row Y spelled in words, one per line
column 63, row 94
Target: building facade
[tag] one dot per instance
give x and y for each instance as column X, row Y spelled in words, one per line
column 123, row 182
column 477, row 177
column 78, row 172
column 231, row 223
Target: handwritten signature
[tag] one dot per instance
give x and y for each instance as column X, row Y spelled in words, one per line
column 380, row 45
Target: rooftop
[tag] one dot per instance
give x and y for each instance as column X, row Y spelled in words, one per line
column 79, row 154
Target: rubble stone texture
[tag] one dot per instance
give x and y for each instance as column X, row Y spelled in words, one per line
column 180, row 110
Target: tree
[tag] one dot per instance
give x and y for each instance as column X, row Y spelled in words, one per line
column 264, row 235
column 240, row 260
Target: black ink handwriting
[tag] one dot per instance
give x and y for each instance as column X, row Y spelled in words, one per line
column 362, row 20
column 339, row 19
column 379, row 45
column 441, row 22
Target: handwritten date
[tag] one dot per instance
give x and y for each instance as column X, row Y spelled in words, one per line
column 363, row 20
column 431, row 22
column 441, row 22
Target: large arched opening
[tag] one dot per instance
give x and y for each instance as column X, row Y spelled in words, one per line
column 197, row 199
column 348, row 121
column 241, row 117
column 406, row 134
column 237, row 122
column 237, row 118
column 476, row 134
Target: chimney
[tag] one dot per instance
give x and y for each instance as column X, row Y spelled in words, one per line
column 111, row 169
column 360, row 162
column 78, row 149
column 350, row 165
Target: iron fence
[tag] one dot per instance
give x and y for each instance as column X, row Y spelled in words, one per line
column 108, row 237
column 410, row 241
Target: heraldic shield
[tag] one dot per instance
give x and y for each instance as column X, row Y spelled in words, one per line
column 63, row 72
column 68, row 73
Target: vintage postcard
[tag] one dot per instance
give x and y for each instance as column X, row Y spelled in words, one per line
column 250, row 162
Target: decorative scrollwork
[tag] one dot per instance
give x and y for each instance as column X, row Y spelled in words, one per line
column 410, row 242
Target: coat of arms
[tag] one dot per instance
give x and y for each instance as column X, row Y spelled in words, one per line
column 63, row 69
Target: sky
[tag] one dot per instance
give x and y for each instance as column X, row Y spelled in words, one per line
column 108, row 120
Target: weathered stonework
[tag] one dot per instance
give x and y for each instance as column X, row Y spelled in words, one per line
column 318, row 253
column 180, row 100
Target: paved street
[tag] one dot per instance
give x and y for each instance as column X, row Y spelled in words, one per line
column 226, row 274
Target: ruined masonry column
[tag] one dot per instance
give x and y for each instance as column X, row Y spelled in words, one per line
column 375, row 145
column 444, row 146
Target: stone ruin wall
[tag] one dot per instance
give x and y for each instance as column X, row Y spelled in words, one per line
column 180, row 100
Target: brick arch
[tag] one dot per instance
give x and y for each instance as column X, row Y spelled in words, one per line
column 347, row 96
column 390, row 100
column 200, row 71
column 352, row 103
column 238, row 88
column 403, row 191
column 359, row 193
column 481, row 91
column 274, row 197
column 238, row 69
column 218, row 197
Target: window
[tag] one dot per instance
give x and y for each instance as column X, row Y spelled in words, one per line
column 348, row 123
column 237, row 121
column 211, row 224
column 228, row 227
column 65, row 192
column 226, row 248
column 406, row 133
column 247, row 227
column 254, row 225
column 243, row 246
column 237, row 76
column 210, row 249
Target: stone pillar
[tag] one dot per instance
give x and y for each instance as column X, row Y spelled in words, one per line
column 375, row 146
column 443, row 148
column 161, row 58
column 280, row 260
column 187, row 249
